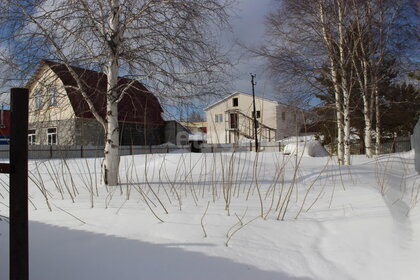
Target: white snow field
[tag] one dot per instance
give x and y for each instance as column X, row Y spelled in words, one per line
column 229, row 216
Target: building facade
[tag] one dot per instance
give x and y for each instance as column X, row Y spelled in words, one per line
column 230, row 120
column 60, row 115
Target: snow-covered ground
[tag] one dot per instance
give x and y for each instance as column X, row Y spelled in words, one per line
column 311, row 148
column 230, row 216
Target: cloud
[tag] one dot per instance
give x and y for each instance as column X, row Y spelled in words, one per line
column 248, row 29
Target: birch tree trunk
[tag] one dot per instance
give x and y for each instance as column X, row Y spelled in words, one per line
column 367, row 112
column 112, row 157
column 345, row 84
column 378, row 123
column 347, row 131
column 334, row 76
column 365, row 53
column 379, row 61
column 339, row 116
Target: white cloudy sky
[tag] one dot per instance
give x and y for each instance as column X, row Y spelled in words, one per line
column 248, row 27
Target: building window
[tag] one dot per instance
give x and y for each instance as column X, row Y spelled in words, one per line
column 283, row 116
column 235, row 102
column 258, row 115
column 52, row 136
column 233, row 121
column 31, row 137
column 52, row 92
column 38, row 99
column 219, row 118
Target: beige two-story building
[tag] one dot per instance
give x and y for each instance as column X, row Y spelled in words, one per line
column 230, row 120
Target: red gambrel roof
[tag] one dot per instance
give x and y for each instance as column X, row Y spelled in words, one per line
column 138, row 105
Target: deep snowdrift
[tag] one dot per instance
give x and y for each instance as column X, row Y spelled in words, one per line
column 308, row 148
column 357, row 222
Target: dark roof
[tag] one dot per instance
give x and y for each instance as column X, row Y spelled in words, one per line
column 138, row 105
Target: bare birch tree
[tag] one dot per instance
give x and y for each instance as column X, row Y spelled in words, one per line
column 381, row 33
column 333, row 69
column 346, row 42
column 169, row 45
column 306, row 39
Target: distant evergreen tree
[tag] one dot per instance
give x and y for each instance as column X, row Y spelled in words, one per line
column 399, row 103
column 400, row 109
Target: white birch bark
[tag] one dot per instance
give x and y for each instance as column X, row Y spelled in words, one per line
column 364, row 85
column 378, row 123
column 112, row 157
column 367, row 111
column 339, row 116
column 362, row 79
column 347, row 131
column 344, row 85
column 376, row 82
column 337, row 92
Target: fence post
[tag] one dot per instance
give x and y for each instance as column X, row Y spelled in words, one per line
column 51, row 151
column 416, row 146
column 81, row 151
column 131, row 150
column 394, row 144
column 19, row 268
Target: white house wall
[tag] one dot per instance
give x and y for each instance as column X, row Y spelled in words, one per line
column 216, row 131
column 289, row 121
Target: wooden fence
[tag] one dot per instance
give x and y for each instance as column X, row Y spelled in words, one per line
column 401, row 144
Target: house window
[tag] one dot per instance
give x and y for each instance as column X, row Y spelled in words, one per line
column 258, row 115
column 38, row 99
column 233, row 121
column 235, row 102
column 31, row 137
column 219, row 118
column 52, row 136
column 52, row 92
column 283, row 116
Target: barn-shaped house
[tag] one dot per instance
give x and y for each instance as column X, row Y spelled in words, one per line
column 60, row 115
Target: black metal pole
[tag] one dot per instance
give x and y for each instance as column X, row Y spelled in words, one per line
column 19, row 256
column 255, row 112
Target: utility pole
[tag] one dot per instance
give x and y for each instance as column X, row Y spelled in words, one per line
column 254, row 114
